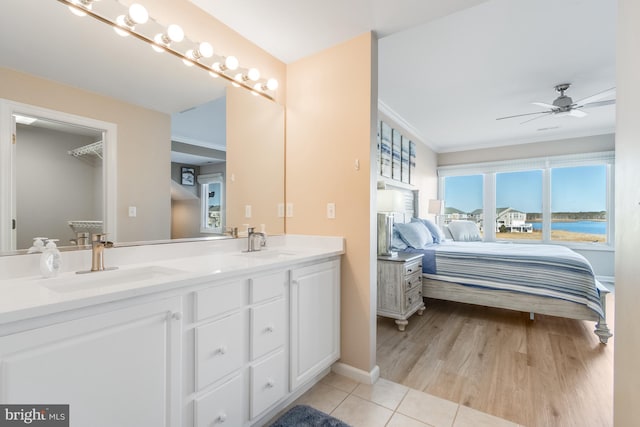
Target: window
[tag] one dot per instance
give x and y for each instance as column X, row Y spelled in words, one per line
column 562, row 199
column 212, row 202
column 519, row 205
column 463, row 199
column 579, row 204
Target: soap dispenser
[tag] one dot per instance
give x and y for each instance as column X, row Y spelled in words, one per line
column 38, row 245
column 50, row 260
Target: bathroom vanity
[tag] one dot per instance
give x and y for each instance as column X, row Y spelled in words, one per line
column 181, row 334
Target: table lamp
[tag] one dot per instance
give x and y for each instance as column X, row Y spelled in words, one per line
column 389, row 202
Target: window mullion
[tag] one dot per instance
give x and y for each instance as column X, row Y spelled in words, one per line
column 546, row 204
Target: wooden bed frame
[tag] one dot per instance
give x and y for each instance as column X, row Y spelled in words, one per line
column 450, row 291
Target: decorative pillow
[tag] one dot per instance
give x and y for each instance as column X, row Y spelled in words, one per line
column 397, row 244
column 415, row 234
column 464, row 231
column 436, row 232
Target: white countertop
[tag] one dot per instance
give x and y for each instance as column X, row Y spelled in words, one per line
column 145, row 270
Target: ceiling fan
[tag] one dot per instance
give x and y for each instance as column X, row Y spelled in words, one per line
column 563, row 105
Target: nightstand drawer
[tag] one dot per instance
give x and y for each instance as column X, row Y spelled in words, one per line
column 412, row 281
column 413, row 267
column 413, row 298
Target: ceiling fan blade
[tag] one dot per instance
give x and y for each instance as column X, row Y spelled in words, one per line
column 546, row 113
column 599, row 103
column 576, row 113
column 526, row 114
column 544, row 105
column 604, row 94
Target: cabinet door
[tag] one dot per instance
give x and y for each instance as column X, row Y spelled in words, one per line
column 315, row 320
column 120, row 368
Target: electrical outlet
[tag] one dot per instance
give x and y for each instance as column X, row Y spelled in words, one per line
column 247, row 211
column 280, row 210
column 133, row 211
column 331, row 210
column 289, row 210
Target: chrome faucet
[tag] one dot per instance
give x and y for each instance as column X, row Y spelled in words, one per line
column 252, row 236
column 98, row 244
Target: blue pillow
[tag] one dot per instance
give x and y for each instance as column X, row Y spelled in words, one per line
column 397, row 244
column 436, row 232
column 415, row 234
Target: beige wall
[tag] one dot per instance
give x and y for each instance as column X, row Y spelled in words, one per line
column 587, row 144
column 255, row 161
column 331, row 115
column 202, row 26
column 627, row 337
column 426, row 175
column 143, row 148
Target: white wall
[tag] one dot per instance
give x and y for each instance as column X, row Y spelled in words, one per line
column 627, row 337
column 52, row 186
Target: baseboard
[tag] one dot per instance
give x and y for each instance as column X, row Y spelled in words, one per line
column 356, row 374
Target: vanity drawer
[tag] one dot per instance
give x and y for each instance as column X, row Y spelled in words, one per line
column 219, row 349
column 413, row 298
column 222, row 406
column 218, row 299
column 412, row 281
column 268, row 383
column 268, row 286
column 267, row 327
column 413, row 267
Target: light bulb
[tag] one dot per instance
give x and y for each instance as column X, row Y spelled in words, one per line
column 205, row 49
column 214, row 75
column 188, row 54
column 272, row 84
column 237, row 78
column 231, row 62
column 159, row 38
column 175, row 33
column 253, row 74
column 138, row 13
column 258, row 88
column 216, row 66
column 120, row 20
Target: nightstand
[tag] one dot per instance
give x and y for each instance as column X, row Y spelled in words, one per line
column 400, row 287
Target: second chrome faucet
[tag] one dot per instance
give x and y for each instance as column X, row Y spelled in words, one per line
column 255, row 240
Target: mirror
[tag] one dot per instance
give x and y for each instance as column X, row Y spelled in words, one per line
column 91, row 72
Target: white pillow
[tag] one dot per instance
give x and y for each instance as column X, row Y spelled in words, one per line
column 464, row 231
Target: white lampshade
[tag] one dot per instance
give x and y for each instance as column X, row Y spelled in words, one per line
column 435, row 206
column 390, row 201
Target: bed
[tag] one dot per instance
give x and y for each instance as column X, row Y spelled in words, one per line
column 535, row 278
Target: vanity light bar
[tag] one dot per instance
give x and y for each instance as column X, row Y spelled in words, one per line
column 256, row 89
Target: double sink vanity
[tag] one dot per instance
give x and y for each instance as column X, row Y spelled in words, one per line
column 181, row 334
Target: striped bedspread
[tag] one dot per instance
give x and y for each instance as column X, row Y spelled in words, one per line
column 544, row 270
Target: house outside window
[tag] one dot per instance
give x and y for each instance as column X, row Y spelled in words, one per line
column 562, row 199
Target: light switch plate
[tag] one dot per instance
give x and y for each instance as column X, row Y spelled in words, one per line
column 289, row 210
column 331, row 210
column 247, row 211
column 133, row 211
column 280, row 210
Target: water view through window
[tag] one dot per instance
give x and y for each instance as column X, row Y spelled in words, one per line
column 578, row 203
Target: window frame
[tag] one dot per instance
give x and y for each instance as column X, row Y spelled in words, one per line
column 489, row 170
column 203, row 182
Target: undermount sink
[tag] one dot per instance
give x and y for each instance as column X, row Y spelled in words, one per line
column 100, row 279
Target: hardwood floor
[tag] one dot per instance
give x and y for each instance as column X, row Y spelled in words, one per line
column 549, row 372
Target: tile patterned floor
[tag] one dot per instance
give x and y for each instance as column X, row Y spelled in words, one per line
column 387, row 404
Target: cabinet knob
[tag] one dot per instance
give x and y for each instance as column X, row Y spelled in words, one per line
column 221, row 350
column 409, row 270
column 174, row 315
column 269, row 329
column 222, row 417
column 270, row 383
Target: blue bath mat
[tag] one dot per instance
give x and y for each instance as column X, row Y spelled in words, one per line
column 306, row 416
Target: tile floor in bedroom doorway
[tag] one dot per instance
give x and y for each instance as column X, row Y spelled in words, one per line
column 388, row 404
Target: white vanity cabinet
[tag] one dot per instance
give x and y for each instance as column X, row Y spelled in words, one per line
column 119, row 368
column 315, row 320
column 204, row 351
